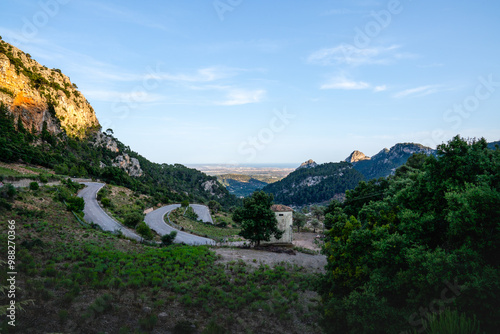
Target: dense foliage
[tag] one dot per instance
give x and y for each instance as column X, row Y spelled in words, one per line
column 402, row 250
column 81, row 158
column 314, row 185
column 258, row 221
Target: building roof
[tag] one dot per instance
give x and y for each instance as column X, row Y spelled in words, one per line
column 281, row 208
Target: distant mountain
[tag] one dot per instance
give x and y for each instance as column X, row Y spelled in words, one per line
column 386, row 161
column 356, row 156
column 241, row 185
column 493, row 145
column 308, row 164
column 315, row 185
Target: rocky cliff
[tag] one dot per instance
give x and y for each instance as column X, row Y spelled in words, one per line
column 37, row 95
column 356, row 156
column 308, row 164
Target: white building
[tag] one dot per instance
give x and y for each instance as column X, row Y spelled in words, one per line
column 284, row 216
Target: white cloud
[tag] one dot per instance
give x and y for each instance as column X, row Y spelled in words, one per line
column 341, row 82
column 418, row 91
column 241, row 96
column 208, row 74
column 351, row 55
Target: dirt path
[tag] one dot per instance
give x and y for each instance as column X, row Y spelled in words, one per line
column 306, row 240
column 314, row 263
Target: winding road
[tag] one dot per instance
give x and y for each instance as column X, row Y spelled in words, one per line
column 95, row 214
column 155, row 222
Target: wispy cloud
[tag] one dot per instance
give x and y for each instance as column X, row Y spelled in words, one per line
column 351, row 55
column 342, row 82
column 418, row 91
column 208, row 74
column 242, row 96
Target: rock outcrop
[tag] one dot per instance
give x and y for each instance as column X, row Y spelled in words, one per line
column 308, row 164
column 37, row 95
column 128, row 164
column 356, row 156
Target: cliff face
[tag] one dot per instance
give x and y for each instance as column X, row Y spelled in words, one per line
column 356, row 156
column 37, row 94
column 308, row 164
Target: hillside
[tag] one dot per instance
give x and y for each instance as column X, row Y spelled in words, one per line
column 315, row 184
column 386, row 161
column 242, row 185
column 45, row 121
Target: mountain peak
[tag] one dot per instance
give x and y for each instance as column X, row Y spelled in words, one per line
column 308, row 164
column 356, row 156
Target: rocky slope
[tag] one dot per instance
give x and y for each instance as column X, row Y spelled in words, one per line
column 386, row 161
column 356, row 156
column 308, row 164
column 37, row 95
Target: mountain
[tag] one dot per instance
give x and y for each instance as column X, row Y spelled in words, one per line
column 38, row 96
column 493, row 145
column 312, row 183
column 46, row 121
column 386, row 161
column 356, row 156
column 315, row 185
column 308, row 164
column 241, row 185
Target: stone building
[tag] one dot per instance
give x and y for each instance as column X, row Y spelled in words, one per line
column 284, row 215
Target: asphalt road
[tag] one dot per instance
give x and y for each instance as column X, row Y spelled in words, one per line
column 203, row 213
column 155, row 222
column 95, row 214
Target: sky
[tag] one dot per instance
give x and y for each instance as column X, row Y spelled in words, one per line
column 249, row 82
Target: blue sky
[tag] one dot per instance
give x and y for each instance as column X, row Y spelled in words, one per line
column 240, row 81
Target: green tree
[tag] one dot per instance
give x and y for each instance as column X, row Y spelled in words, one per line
column 133, row 218
column 144, row 231
column 315, row 224
column 299, row 220
column 214, row 206
column 394, row 242
column 168, row 239
column 258, row 221
column 185, row 203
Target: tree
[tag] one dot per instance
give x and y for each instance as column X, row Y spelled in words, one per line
column 185, row 203
column 214, row 206
column 144, row 231
column 315, row 224
column 258, row 221
column 318, row 212
column 299, row 220
column 168, row 239
column 133, row 218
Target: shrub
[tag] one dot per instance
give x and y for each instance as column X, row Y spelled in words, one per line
column 168, row 239
column 144, row 231
column 185, row 203
column 131, row 219
column 149, row 322
column 34, row 186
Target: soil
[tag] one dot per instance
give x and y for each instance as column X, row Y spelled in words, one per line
column 306, row 240
column 314, row 263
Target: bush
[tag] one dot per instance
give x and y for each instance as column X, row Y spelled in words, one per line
column 34, row 186
column 106, row 202
column 185, row 203
column 149, row 322
column 131, row 219
column 144, row 231
column 168, row 239
column 451, row 322
column 76, row 204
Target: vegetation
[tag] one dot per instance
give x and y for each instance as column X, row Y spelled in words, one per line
column 315, row 185
column 215, row 232
column 258, row 221
column 425, row 240
column 82, row 279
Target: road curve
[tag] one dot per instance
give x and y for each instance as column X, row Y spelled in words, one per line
column 155, row 221
column 95, row 214
column 203, row 213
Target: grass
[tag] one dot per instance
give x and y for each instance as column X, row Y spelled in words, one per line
column 202, row 229
column 100, row 280
column 7, row 172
